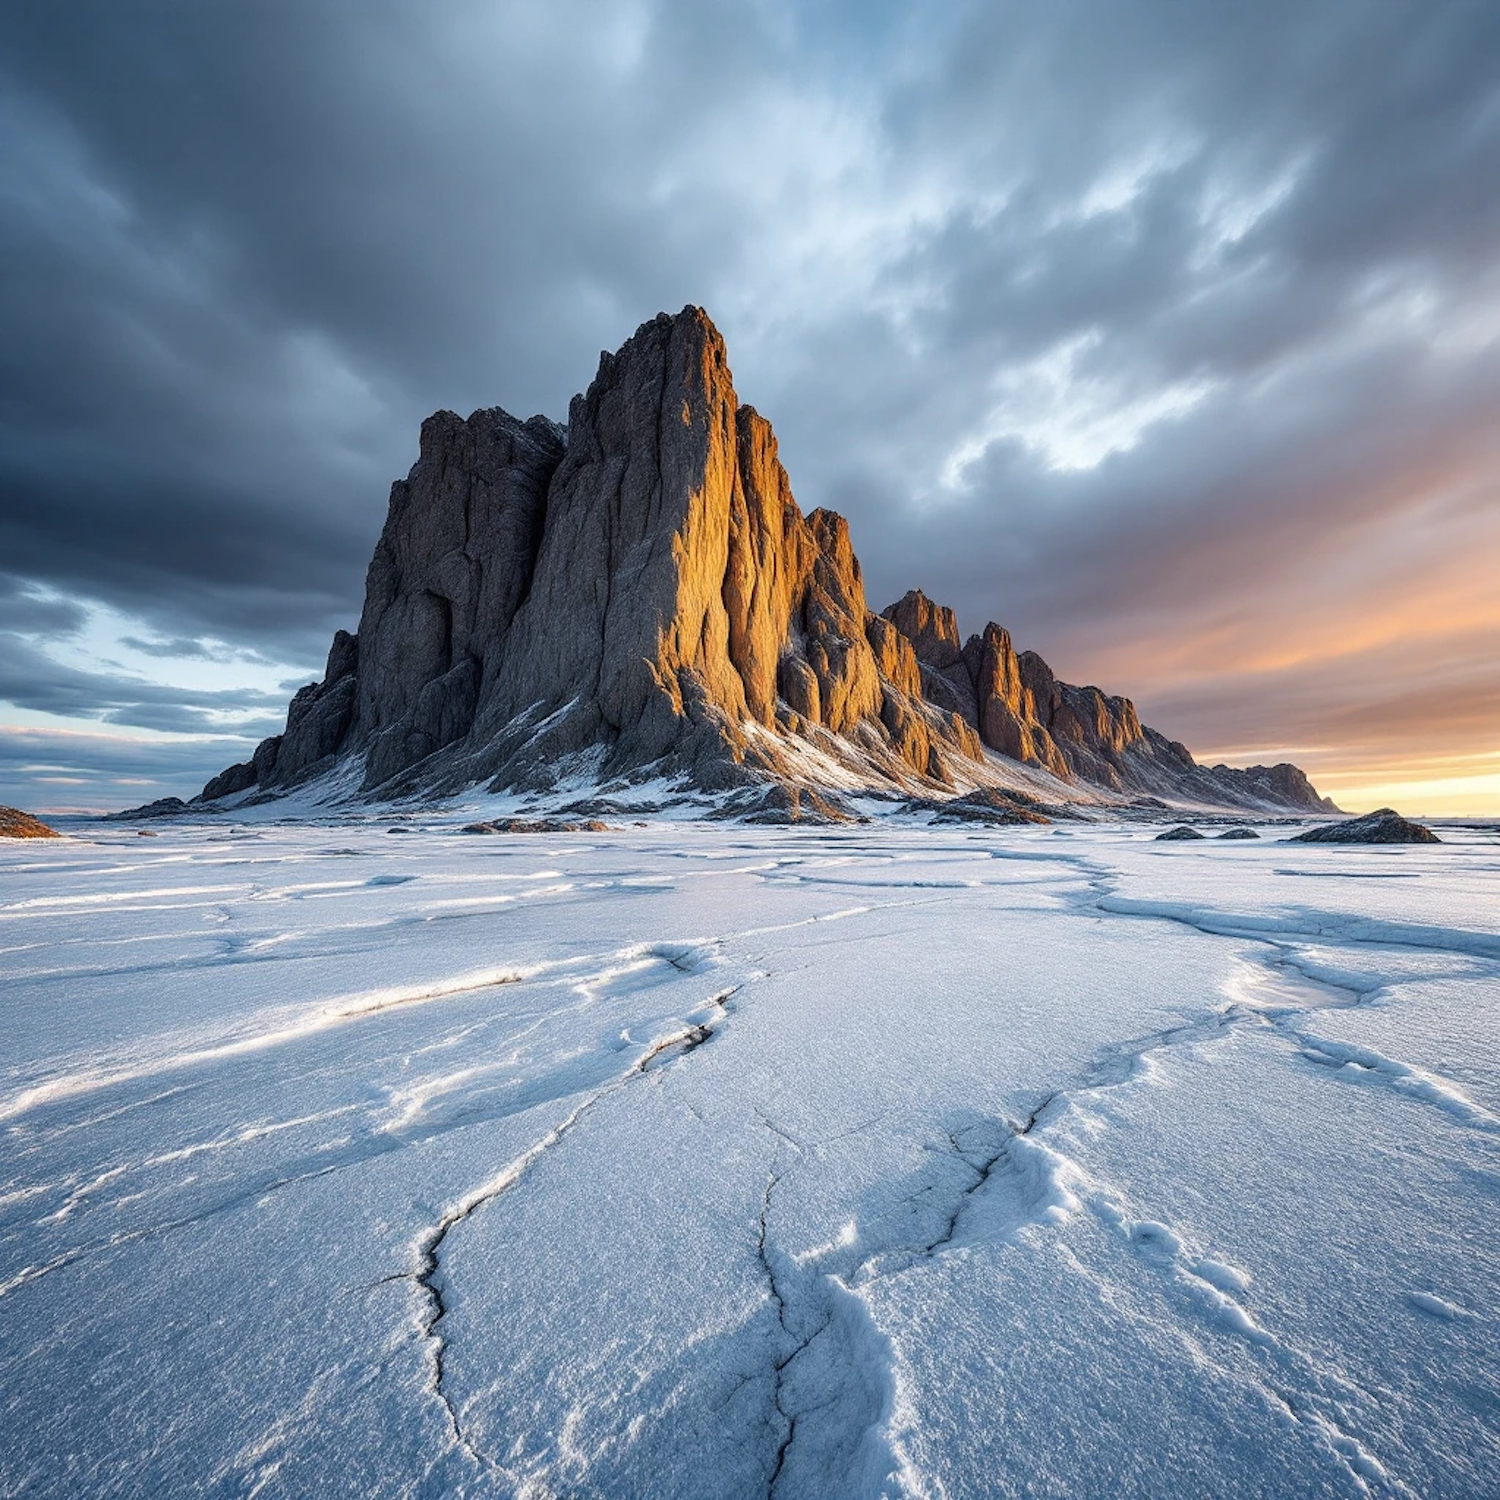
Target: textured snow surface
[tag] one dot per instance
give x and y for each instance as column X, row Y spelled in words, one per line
column 697, row 1161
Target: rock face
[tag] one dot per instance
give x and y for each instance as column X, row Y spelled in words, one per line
column 1078, row 734
column 1384, row 826
column 638, row 595
column 165, row 807
column 15, row 824
column 449, row 572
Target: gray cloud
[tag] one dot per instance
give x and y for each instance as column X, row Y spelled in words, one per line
column 31, row 679
column 21, row 609
column 194, row 648
column 182, row 646
column 1234, row 265
column 46, row 769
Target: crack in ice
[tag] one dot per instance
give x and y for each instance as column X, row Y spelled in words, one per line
column 427, row 1274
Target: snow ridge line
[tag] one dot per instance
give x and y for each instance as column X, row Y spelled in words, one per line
column 1357, row 932
column 685, row 958
column 76, row 1253
column 1364, row 1064
column 426, row 1276
column 807, row 1305
column 1356, row 1064
column 1210, row 1284
column 1346, row 1060
column 322, row 1018
column 847, row 1390
column 818, row 1302
column 1329, row 927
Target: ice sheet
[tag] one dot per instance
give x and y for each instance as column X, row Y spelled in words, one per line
column 695, row 1160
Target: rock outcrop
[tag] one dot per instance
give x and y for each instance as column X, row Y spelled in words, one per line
column 639, row 596
column 538, row 825
column 15, row 824
column 166, row 807
column 1020, row 709
column 1384, row 826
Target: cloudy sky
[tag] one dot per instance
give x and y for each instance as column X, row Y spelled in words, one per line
column 1165, row 334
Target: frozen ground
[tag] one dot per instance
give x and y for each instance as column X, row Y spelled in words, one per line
column 701, row 1161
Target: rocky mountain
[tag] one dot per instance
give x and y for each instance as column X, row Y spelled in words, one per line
column 638, row 595
column 1079, row 734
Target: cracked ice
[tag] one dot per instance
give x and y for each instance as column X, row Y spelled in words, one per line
column 702, row 1161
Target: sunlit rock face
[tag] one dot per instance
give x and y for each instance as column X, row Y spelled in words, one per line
column 15, row 824
column 639, row 595
column 1021, row 710
column 642, row 586
column 680, row 601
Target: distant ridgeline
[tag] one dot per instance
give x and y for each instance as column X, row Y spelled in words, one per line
column 639, row 596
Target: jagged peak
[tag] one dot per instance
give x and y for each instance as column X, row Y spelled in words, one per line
column 639, row 592
column 692, row 323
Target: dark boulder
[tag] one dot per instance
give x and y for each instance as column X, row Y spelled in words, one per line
column 536, row 825
column 1383, row 826
column 989, row 805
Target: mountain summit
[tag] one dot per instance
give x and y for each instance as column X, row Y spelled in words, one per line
column 638, row 596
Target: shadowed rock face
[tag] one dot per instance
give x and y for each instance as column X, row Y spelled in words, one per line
column 449, row 573
column 642, row 589
column 450, row 569
column 640, row 595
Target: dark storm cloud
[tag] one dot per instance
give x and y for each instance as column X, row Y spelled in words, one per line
column 22, row 610
column 1100, row 320
column 249, row 248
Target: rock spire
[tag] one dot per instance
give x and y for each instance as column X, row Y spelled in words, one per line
column 638, row 595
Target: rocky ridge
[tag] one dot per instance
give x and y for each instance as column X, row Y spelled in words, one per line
column 638, row 596
column 15, row 824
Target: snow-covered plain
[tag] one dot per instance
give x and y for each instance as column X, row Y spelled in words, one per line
column 698, row 1160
